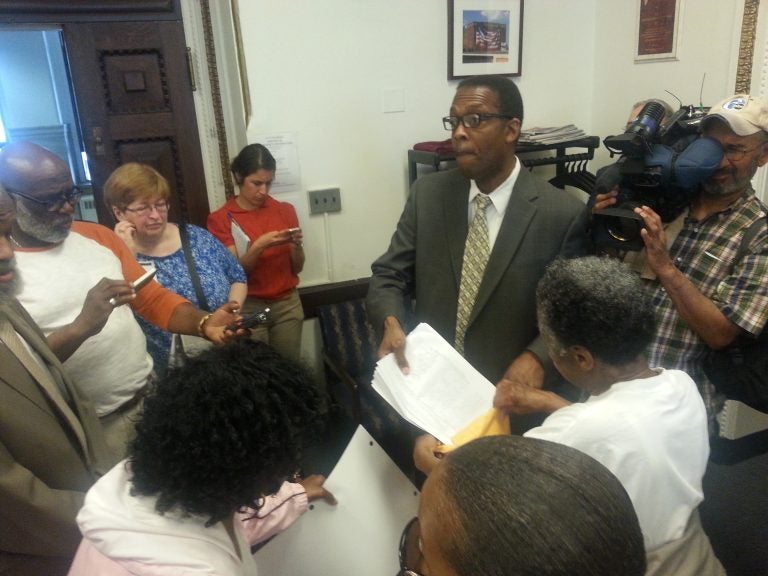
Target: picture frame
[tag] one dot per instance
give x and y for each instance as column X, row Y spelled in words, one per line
column 656, row 30
column 485, row 37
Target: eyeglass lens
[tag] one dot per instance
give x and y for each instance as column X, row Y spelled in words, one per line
column 468, row 121
column 53, row 203
column 160, row 206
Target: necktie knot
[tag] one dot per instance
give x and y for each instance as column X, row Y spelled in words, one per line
column 482, row 202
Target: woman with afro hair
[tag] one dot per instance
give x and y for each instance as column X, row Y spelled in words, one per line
column 204, row 477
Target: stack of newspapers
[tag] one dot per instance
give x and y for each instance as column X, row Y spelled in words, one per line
column 442, row 393
column 551, row 135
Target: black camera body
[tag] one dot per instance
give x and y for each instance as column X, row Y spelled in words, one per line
column 660, row 166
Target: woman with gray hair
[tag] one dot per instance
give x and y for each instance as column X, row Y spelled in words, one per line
column 645, row 424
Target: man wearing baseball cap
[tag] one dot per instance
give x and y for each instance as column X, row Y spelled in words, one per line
column 736, row 494
column 706, row 300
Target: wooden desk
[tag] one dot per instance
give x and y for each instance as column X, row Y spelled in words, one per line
column 570, row 169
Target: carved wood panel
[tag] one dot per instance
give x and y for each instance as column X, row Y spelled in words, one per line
column 131, row 80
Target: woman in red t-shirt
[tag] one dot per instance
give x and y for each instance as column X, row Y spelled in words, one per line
column 264, row 235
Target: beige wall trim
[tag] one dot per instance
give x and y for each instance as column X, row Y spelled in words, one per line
column 747, row 46
column 218, row 112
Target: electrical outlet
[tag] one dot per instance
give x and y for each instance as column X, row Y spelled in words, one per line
column 325, row 200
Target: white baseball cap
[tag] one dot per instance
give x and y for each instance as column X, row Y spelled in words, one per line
column 745, row 114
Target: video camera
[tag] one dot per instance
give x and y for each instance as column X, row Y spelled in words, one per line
column 661, row 166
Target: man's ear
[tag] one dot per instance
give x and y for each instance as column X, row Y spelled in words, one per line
column 582, row 358
column 513, row 130
column 763, row 157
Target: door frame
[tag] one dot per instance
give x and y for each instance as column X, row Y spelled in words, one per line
column 204, row 29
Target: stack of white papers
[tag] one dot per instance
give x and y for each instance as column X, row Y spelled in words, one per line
column 442, row 393
column 551, row 135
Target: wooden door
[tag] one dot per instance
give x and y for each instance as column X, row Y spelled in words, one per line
column 134, row 100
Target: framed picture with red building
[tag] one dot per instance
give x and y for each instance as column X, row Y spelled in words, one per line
column 484, row 37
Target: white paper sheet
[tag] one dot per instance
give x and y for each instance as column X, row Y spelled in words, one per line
column 442, row 393
column 242, row 240
column 360, row 535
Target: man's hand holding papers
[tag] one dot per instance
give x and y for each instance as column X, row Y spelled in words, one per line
column 442, row 393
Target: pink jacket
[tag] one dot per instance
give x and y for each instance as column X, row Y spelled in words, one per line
column 123, row 536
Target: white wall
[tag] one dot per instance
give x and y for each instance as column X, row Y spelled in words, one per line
column 318, row 69
column 708, row 42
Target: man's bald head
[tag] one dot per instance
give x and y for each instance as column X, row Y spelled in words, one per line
column 26, row 166
column 40, row 184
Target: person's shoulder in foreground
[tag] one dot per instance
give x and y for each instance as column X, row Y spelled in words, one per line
column 513, row 505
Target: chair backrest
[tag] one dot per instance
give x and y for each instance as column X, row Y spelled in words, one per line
column 348, row 336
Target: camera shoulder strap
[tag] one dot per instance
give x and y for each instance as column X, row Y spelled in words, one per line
column 749, row 235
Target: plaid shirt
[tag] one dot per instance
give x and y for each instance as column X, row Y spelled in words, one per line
column 705, row 251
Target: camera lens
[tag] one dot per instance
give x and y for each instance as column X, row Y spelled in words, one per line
column 648, row 121
column 623, row 229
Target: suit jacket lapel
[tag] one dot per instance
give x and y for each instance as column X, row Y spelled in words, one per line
column 455, row 201
column 517, row 218
column 23, row 325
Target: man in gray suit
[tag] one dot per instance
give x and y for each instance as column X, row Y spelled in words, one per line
column 51, row 444
column 529, row 223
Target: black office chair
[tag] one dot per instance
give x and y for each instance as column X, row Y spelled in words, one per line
column 350, row 346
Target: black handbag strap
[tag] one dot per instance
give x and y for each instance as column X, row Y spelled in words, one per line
column 749, row 235
column 201, row 300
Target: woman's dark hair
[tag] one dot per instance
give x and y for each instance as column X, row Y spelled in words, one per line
column 252, row 158
column 597, row 303
column 223, row 430
column 523, row 507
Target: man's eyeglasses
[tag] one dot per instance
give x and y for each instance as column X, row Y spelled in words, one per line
column 409, row 552
column 737, row 154
column 470, row 120
column 53, row 203
column 144, row 209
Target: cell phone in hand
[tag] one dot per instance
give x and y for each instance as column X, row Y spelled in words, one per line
column 250, row 320
column 142, row 281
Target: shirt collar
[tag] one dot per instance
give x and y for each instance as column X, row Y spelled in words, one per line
column 501, row 195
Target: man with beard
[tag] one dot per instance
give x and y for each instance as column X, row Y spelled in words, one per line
column 706, row 300
column 51, row 444
column 488, row 207
column 78, row 278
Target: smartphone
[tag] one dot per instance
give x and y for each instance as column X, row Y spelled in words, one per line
column 250, row 320
column 140, row 282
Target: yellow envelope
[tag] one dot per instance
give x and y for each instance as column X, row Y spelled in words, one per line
column 491, row 423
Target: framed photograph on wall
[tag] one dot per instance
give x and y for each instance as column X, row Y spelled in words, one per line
column 657, row 23
column 485, row 37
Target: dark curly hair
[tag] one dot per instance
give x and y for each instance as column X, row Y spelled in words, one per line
column 223, row 430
